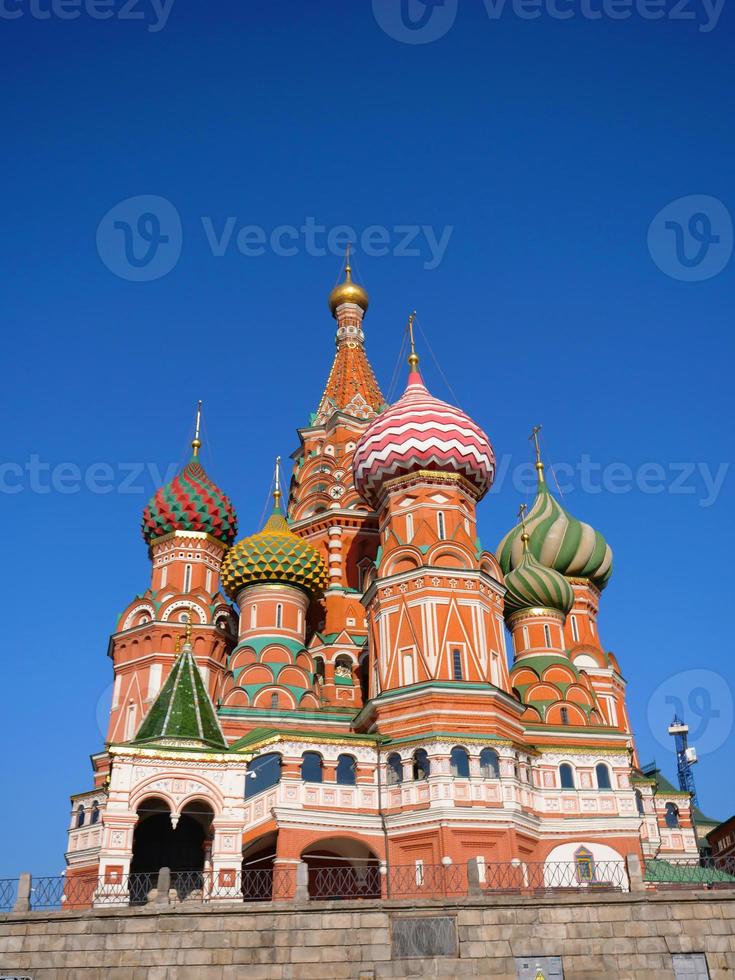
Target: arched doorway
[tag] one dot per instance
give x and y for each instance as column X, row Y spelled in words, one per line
column 158, row 844
column 258, row 859
column 341, row 867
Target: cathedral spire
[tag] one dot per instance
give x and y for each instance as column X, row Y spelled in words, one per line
column 351, row 387
column 537, row 446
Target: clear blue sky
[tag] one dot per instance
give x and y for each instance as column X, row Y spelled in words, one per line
column 546, row 146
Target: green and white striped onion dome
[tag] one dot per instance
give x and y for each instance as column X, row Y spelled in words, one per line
column 531, row 584
column 559, row 541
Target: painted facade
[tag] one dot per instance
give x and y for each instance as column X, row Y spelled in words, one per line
column 360, row 681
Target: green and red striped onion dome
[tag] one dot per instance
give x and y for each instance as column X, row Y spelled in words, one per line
column 558, row 541
column 276, row 555
column 531, row 584
column 190, row 502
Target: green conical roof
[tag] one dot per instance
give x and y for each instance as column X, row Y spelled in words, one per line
column 558, row 541
column 183, row 709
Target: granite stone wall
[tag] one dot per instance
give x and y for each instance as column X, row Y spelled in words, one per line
column 625, row 936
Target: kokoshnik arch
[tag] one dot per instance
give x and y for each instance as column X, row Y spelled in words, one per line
column 355, row 702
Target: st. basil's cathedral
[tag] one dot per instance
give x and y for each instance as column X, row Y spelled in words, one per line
column 336, row 689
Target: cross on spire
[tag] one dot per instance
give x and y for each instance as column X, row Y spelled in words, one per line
column 196, row 443
column 277, row 483
column 413, row 358
column 535, row 439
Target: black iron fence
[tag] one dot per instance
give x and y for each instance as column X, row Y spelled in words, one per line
column 346, row 881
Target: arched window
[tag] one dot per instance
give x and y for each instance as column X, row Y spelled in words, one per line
column 440, row 524
column 395, row 769
column 279, row 616
column 409, row 527
column 639, row 803
column 421, row 764
column 603, row 776
column 672, row 815
column 253, row 616
column 187, row 577
column 319, row 668
column 311, row 767
column 457, row 665
column 575, row 628
column 490, row 764
column 566, row 776
column 80, row 815
column 95, row 814
column 343, row 669
column 274, row 701
column 263, row 772
column 460, row 762
column 564, row 712
column 346, row 770
column 547, row 635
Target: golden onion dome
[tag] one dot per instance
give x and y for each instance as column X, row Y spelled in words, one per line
column 348, row 292
column 276, row 555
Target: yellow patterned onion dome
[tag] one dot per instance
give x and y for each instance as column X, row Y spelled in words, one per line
column 274, row 554
column 348, row 292
column 531, row 584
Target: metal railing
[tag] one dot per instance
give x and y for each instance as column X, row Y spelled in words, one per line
column 344, row 881
column 709, row 872
column 8, row 893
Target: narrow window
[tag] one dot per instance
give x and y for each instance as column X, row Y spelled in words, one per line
column 566, row 776
column 421, row 765
column 299, row 620
column 209, row 580
column 116, row 691
column 489, row 764
column 80, row 815
column 394, row 769
column 164, row 575
column 440, row 524
column 407, row 669
column 672, row 816
column 457, row 665
column 575, row 628
column 346, row 770
column 526, row 643
column 547, row 635
column 603, row 776
column 130, row 723
column 95, row 814
column 187, row 577
column 279, row 616
column 253, row 616
column 409, row 527
column 639, row 803
column 592, row 627
column 312, row 770
column 565, row 716
column 460, row 762
column 274, row 701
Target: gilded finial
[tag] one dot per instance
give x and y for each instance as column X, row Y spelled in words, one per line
column 522, row 518
column 196, row 443
column 348, row 291
column 413, row 357
column 187, row 631
column 534, row 437
column 277, row 480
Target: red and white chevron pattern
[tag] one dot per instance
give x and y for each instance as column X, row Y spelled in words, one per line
column 420, row 432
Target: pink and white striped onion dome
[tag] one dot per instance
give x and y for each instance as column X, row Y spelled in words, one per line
column 420, row 432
